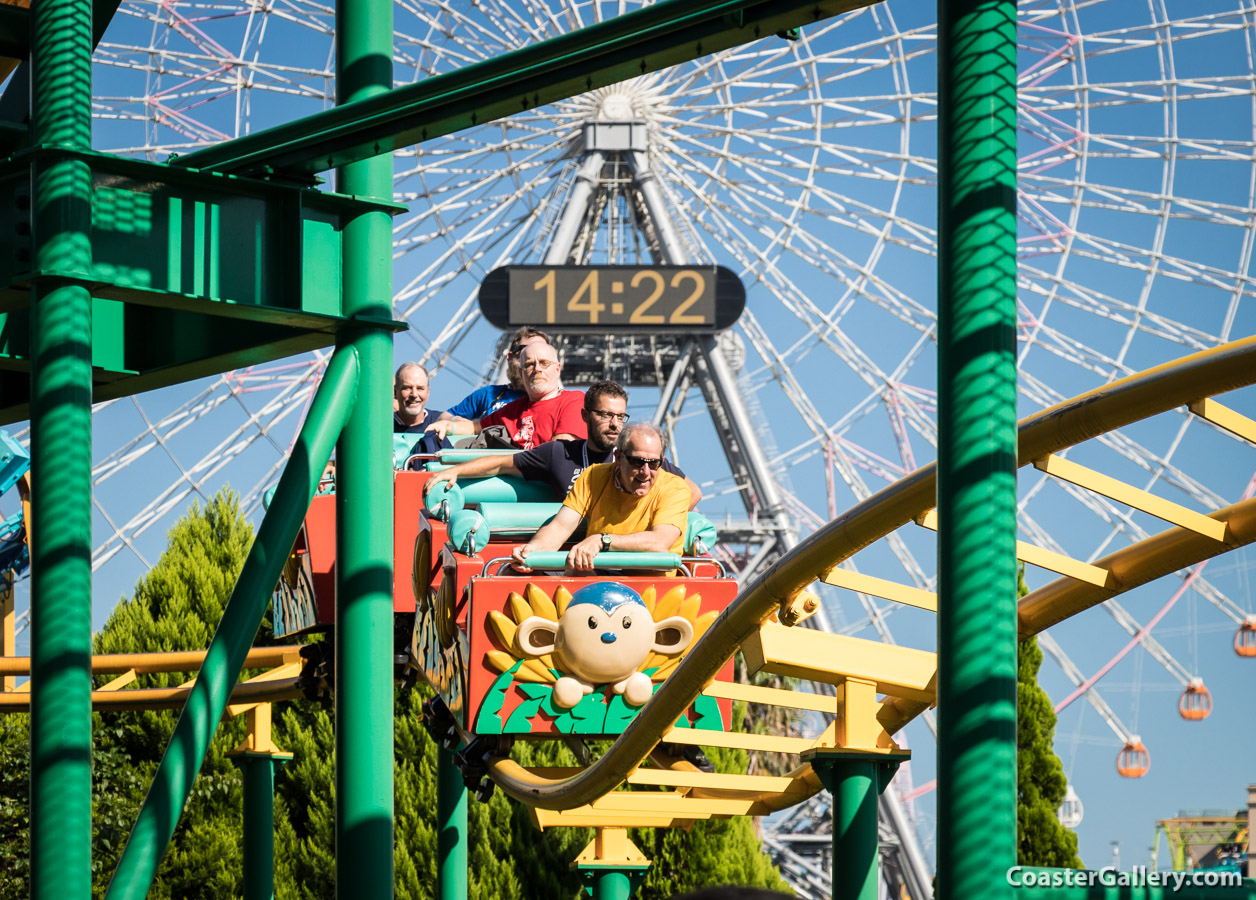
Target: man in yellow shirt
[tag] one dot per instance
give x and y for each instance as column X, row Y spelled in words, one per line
column 630, row 504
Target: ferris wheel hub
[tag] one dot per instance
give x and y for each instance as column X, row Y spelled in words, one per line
column 616, row 107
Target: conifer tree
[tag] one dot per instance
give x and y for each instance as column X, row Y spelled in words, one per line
column 1040, row 781
column 177, row 606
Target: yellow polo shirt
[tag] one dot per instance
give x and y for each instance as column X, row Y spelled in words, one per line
column 612, row 511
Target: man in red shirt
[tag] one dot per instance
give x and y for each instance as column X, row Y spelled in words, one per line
column 547, row 413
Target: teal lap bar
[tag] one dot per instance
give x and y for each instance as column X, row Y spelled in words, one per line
column 976, row 448
column 364, row 490
column 612, row 559
column 61, row 455
column 451, row 829
column 855, row 779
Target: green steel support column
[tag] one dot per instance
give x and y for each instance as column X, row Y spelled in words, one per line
column 856, row 866
column 61, row 456
column 611, row 884
column 364, row 499
column 611, row 867
column 240, row 620
column 976, row 447
column 854, row 780
column 259, row 821
column 451, row 829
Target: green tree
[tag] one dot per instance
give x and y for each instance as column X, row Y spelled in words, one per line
column 1040, row 781
column 176, row 606
column 15, row 823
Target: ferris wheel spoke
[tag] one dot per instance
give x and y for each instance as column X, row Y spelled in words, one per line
column 895, row 302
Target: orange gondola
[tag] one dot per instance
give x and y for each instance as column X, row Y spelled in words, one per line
column 1133, row 761
column 1245, row 638
column 1195, row 702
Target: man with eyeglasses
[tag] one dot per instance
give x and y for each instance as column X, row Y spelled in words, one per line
column 629, row 505
column 547, row 413
column 557, row 463
column 492, row 397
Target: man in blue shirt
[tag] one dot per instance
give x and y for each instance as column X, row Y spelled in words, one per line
column 492, row 397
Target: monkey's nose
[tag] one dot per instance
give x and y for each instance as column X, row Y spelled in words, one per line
column 608, row 637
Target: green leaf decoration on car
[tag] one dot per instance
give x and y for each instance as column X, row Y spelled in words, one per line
column 618, row 715
column 488, row 721
column 520, row 721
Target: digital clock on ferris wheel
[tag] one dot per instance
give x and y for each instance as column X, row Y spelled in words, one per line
column 613, row 299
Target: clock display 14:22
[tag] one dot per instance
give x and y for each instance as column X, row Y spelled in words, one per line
column 651, row 296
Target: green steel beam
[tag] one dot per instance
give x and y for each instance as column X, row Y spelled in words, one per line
column 612, row 884
column 976, row 447
column 140, row 359
column 15, row 102
column 631, row 44
column 610, row 881
column 329, row 411
column 451, row 829
column 259, row 821
column 854, row 780
column 856, row 869
column 61, row 458
column 364, row 489
column 192, row 273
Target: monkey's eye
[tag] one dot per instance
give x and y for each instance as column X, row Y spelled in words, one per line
column 627, row 622
column 592, row 622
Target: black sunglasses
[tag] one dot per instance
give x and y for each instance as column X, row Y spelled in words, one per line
column 515, row 350
column 640, row 462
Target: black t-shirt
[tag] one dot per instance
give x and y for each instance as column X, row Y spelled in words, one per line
column 429, row 416
column 423, row 443
column 558, row 463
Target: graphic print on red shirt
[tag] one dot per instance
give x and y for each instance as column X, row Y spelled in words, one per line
column 532, row 424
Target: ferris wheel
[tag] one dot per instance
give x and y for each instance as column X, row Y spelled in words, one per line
column 805, row 163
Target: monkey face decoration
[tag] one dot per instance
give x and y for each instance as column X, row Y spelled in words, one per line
column 603, row 637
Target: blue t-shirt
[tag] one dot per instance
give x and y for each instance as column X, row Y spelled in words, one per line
column 482, row 401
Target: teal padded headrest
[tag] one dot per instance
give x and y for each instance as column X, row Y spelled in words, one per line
column 698, row 529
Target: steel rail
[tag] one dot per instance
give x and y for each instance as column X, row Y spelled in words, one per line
column 167, row 698
column 177, row 661
column 1112, row 406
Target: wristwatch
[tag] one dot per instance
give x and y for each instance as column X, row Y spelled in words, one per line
column 606, row 543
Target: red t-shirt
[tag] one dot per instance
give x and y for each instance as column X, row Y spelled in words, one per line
column 532, row 424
